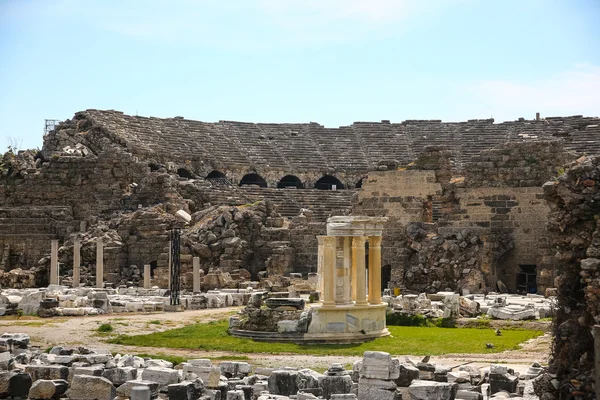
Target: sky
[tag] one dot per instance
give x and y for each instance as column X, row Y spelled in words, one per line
column 328, row 61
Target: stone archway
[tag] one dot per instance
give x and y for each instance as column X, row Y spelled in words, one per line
column 215, row 175
column 327, row 182
column 290, row 181
column 253, row 179
column 184, row 173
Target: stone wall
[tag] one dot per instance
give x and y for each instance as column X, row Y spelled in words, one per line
column 498, row 198
column 519, row 212
column 574, row 199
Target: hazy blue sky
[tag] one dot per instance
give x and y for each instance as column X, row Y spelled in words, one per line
column 329, row 61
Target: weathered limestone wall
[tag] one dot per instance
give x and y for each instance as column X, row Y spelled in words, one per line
column 520, row 212
column 303, row 239
column 498, row 198
column 403, row 196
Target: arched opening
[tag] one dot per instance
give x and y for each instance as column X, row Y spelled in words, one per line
column 219, row 178
column 184, row 173
column 215, row 175
column 290, row 181
column 253, row 179
column 328, row 182
column 154, row 167
column 386, row 276
column 358, row 184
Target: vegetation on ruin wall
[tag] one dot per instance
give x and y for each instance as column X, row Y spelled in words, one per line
column 404, row 340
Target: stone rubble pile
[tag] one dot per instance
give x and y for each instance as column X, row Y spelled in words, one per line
column 56, row 300
column 86, row 374
column 494, row 305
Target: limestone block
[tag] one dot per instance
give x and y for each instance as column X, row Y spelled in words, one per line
column 407, row 374
column 84, row 387
column 283, row 382
column 125, row 389
column 43, row 389
column 379, row 365
column 162, row 376
column 428, row 390
column 335, row 385
column 468, row 395
column 187, row 390
column 158, row 363
column 307, row 379
column 95, row 370
column 502, row 381
column 209, row 374
column 377, row 389
column 30, row 303
column 14, row 384
column 235, row 395
column 120, row 375
column 48, row 372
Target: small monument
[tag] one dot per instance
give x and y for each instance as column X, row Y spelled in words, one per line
column 351, row 308
column 349, row 279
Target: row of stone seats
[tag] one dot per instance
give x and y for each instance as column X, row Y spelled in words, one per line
column 310, row 147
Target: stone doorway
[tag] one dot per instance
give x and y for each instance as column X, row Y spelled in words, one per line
column 526, row 279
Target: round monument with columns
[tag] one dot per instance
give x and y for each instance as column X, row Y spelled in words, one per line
column 349, row 269
column 349, row 280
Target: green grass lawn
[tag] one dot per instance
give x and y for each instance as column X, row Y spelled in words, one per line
column 404, row 340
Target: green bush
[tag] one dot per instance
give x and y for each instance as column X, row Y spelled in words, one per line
column 105, row 328
column 399, row 319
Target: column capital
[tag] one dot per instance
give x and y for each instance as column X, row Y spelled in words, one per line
column 329, row 241
column 320, row 238
column 374, row 241
column 359, row 241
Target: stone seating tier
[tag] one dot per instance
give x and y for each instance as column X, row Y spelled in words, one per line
column 299, row 148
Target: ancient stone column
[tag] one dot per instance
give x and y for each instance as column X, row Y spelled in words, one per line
column 54, row 262
column 329, row 271
column 597, row 357
column 342, row 270
column 99, row 263
column 346, row 283
column 359, row 270
column 147, row 276
column 196, row 273
column 375, row 269
column 76, row 261
column 320, row 264
column 170, row 261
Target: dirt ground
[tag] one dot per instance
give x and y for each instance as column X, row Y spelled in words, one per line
column 82, row 331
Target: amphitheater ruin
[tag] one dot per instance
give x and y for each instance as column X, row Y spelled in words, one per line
column 467, row 214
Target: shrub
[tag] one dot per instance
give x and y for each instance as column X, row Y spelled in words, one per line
column 105, row 328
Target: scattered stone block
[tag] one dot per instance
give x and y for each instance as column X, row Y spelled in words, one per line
column 14, row 384
column 125, row 389
column 47, row 372
column 85, row 387
column 43, row 389
column 162, row 376
column 283, row 382
column 187, row 390
column 335, row 385
column 120, row 375
column 427, row 390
